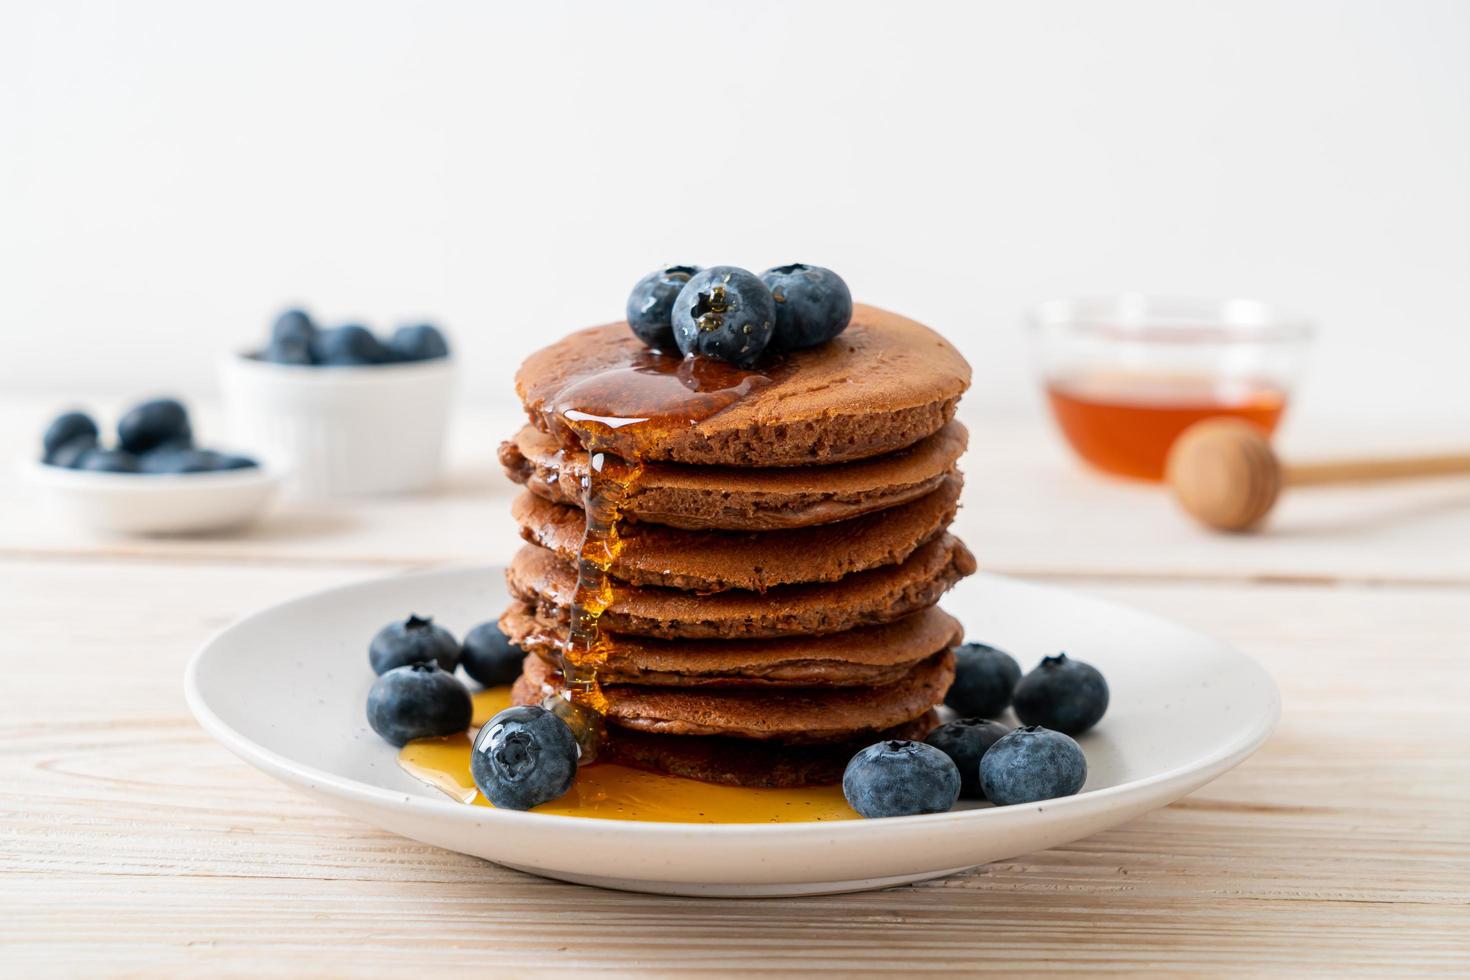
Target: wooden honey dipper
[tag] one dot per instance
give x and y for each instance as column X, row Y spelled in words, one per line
column 1224, row 472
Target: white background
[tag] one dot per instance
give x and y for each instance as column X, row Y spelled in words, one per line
column 171, row 173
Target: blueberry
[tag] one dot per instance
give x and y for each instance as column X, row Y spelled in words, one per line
column 965, row 741
column 171, row 459
column 234, row 461
column 64, row 429
column 413, row 640
column 489, row 657
column 651, row 305
column 725, row 313
column 898, row 778
column 1031, row 764
column 423, row 342
column 108, row 461
column 69, row 454
column 288, row 350
column 1067, row 695
column 983, row 680
column 523, row 757
column 418, row 701
column 347, row 346
column 813, row 305
column 293, row 326
column 153, row 423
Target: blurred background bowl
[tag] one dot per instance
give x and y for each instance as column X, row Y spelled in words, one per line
column 342, row 430
column 1126, row 374
column 156, row 503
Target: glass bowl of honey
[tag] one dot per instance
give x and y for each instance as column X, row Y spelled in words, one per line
column 1126, row 374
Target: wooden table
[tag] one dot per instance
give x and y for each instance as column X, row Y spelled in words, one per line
column 133, row 843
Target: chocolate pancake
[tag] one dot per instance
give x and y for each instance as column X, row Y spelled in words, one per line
column 884, row 384
column 744, row 499
column 795, row 716
column 743, row 762
column 869, row 656
column 881, row 595
column 714, row 561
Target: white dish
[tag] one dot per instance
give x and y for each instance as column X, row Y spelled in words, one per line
column 342, row 430
column 285, row 689
column 156, row 503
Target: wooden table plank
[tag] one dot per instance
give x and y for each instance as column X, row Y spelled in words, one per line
column 133, row 842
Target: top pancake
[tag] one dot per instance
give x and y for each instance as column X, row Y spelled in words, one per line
column 709, row 498
column 885, row 383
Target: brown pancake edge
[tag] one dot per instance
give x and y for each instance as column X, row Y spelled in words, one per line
column 865, row 657
column 539, row 578
column 885, row 383
column 794, row 716
column 703, row 498
column 716, row 561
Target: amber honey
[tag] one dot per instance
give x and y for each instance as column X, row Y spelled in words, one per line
column 616, row 792
column 1124, row 424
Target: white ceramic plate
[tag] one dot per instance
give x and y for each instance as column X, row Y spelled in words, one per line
column 285, row 689
column 156, row 503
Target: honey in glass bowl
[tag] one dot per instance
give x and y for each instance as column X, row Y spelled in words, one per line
column 1126, row 375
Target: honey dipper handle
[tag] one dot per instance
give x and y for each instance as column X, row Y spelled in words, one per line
column 1365, row 470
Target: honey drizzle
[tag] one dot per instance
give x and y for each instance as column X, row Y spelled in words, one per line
column 618, row 415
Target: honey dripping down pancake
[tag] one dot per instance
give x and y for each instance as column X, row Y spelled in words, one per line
column 864, row 424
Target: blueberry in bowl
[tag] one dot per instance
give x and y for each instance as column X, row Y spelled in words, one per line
column 984, row 678
column 350, row 345
column 523, row 757
column 813, row 305
column 725, row 313
column 420, row 342
column 418, row 701
column 489, row 657
column 1061, row 693
column 899, row 778
column 965, row 741
column 1032, row 764
column 154, row 423
column 417, row 639
column 108, row 461
column 650, row 308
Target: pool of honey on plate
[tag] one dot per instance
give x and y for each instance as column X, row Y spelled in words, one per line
column 1125, row 423
column 617, row 792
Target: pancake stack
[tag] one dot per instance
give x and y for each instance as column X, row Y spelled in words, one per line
column 782, row 545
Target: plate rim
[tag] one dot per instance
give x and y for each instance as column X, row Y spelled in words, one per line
column 319, row 780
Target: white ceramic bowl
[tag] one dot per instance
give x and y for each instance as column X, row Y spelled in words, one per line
column 342, row 430
column 285, row 689
column 156, row 503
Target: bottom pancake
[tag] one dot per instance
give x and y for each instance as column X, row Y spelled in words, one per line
column 742, row 762
column 796, row 715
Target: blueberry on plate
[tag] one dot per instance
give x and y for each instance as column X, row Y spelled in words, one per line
column 288, row 350
column 233, row 461
column 65, row 429
column 410, row 641
column 813, row 305
column 899, row 778
column 171, row 459
column 421, row 342
column 650, row 308
column 523, row 757
column 965, row 741
column 418, row 701
column 1067, row 695
column 489, row 657
column 725, row 313
column 983, row 680
column 152, row 424
column 293, row 326
column 1030, row 764
column 347, row 346
column 107, row 461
